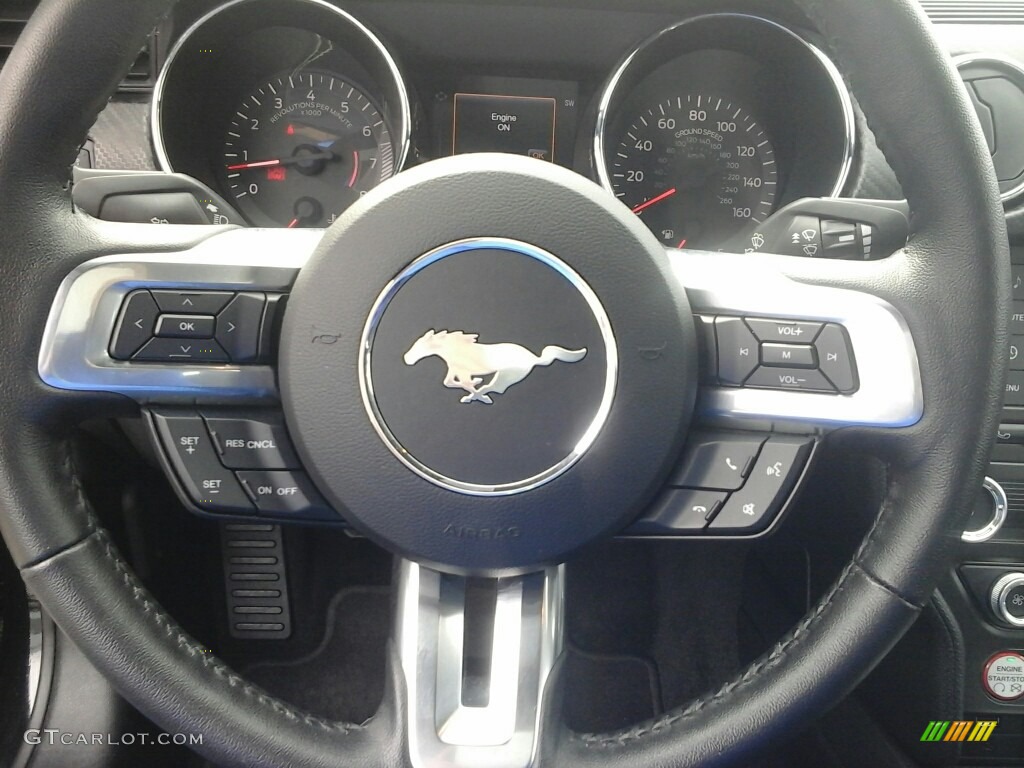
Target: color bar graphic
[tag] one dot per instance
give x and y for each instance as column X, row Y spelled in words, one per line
column 959, row 730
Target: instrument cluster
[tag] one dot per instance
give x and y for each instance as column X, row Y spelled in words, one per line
column 293, row 109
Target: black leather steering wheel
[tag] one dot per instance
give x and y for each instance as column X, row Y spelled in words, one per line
column 950, row 285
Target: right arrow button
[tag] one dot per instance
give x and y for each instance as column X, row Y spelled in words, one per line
column 238, row 326
column 835, row 358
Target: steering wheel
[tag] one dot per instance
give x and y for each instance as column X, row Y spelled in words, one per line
column 480, row 226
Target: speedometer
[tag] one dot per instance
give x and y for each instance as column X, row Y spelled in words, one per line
column 302, row 147
column 696, row 168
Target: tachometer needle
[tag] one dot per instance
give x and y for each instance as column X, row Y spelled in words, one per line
column 294, row 160
column 654, row 200
column 261, row 164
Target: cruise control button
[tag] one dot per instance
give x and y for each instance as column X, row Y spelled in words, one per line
column 752, row 509
column 207, row 483
column 253, row 444
column 788, row 355
column 789, row 331
column 738, row 352
column 679, row 511
column 284, row 493
column 185, row 326
column 136, row 325
column 192, row 302
column 835, row 359
column 182, row 351
column 718, row 461
column 790, row 378
column 238, row 326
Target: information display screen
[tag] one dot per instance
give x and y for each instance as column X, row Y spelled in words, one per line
column 535, row 118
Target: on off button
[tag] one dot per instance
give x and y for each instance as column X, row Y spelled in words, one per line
column 1003, row 677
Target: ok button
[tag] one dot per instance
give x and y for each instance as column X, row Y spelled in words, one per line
column 186, row 326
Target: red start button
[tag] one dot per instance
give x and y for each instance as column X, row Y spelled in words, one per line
column 1003, row 677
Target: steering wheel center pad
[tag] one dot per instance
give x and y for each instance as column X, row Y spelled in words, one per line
column 500, row 380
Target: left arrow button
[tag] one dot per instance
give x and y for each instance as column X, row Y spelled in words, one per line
column 136, row 325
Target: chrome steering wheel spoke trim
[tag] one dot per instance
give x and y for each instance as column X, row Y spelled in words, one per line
column 75, row 351
column 499, row 726
column 765, row 286
column 74, row 354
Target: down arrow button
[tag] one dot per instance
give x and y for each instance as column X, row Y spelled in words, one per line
column 238, row 326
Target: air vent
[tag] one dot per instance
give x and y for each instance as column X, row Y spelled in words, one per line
column 995, row 86
column 14, row 15
column 975, row 11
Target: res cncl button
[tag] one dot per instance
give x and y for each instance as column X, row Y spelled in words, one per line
column 252, row 444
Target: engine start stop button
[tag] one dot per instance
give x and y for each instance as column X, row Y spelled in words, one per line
column 1004, row 676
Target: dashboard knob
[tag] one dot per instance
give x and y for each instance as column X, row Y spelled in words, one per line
column 989, row 513
column 1008, row 599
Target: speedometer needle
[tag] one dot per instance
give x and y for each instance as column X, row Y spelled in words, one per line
column 654, row 200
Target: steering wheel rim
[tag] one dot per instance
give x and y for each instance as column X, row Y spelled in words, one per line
column 950, row 283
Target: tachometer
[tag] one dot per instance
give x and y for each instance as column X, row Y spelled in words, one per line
column 696, row 168
column 303, row 147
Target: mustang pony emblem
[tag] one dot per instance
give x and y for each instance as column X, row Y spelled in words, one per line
column 470, row 363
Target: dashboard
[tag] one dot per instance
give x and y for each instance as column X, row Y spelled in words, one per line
column 704, row 125
column 705, row 120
